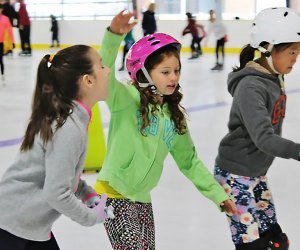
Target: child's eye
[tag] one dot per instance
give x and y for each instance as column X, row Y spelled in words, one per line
column 294, row 52
column 165, row 72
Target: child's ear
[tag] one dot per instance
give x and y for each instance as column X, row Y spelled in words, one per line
column 87, row 79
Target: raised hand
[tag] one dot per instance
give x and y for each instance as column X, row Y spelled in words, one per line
column 120, row 23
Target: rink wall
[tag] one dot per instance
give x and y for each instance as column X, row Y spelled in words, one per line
column 91, row 32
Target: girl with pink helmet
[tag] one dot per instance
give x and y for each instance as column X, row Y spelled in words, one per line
column 147, row 122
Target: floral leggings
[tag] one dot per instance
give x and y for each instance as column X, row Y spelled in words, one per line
column 133, row 225
column 255, row 206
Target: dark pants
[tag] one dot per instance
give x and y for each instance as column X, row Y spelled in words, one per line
column 55, row 37
column 9, row 241
column 1, row 59
column 196, row 46
column 220, row 46
column 25, row 38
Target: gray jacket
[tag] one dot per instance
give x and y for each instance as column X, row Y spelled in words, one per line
column 44, row 183
column 255, row 123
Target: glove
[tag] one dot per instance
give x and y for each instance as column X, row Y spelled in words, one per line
column 103, row 212
column 110, row 212
column 93, row 201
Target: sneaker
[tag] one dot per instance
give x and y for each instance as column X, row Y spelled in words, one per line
column 27, row 53
column 218, row 66
column 193, row 57
column 22, row 53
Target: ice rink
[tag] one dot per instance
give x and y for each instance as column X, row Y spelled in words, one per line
column 184, row 218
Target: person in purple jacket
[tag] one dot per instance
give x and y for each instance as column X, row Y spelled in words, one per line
column 255, row 125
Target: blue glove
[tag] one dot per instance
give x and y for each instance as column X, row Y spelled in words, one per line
column 103, row 212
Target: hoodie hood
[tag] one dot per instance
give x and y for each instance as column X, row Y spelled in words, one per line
column 252, row 68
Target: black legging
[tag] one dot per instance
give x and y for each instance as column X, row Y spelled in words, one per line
column 9, row 241
column 1, row 58
column 220, row 46
column 25, row 38
column 196, row 41
column 55, row 37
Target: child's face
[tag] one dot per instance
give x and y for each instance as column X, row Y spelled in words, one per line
column 284, row 60
column 100, row 76
column 166, row 75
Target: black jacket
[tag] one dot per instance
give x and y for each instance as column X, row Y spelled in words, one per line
column 149, row 23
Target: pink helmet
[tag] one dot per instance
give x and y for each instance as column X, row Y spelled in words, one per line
column 144, row 47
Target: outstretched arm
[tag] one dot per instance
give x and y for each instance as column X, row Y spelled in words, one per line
column 185, row 155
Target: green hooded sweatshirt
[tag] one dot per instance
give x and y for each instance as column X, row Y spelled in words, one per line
column 134, row 163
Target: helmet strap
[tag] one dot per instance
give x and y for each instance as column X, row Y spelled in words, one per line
column 148, row 77
column 270, row 60
column 149, row 83
column 267, row 53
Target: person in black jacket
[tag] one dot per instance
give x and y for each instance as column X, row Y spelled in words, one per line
column 54, row 30
column 9, row 11
column 149, row 22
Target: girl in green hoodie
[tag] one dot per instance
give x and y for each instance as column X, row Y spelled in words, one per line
column 147, row 122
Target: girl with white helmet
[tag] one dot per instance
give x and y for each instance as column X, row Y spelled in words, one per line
column 255, row 124
column 147, row 122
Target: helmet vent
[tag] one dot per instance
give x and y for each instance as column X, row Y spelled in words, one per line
column 155, row 42
column 286, row 13
column 150, row 39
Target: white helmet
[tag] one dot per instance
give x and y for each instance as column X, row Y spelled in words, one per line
column 275, row 25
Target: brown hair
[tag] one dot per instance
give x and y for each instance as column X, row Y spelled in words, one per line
column 56, row 88
column 248, row 53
